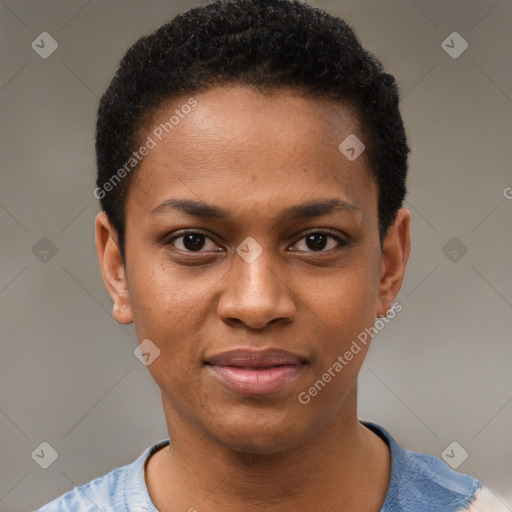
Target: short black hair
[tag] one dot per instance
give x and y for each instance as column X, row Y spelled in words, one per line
column 266, row 44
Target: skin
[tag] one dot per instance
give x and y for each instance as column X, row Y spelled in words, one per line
column 256, row 154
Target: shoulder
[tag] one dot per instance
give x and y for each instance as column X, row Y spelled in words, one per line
column 121, row 490
column 102, row 493
column 423, row 483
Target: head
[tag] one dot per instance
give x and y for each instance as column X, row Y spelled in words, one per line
column 239, row 214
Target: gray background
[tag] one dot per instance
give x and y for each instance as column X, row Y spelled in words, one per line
column 440, row 372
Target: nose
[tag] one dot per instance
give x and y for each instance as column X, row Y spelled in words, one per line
column 255, row 294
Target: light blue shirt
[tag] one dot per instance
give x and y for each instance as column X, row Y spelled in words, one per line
column 419, row 483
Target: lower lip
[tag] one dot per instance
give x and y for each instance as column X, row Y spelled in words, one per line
column 256, row 381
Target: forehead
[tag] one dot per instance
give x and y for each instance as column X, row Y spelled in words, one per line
column 237, row 146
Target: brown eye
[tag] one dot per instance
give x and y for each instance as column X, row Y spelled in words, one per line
column 318, row 241
column 192, row 242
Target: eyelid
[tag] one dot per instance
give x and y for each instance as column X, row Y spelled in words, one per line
column 326, row 231
column 168, row 240
column 180, row 233
column 342, row 240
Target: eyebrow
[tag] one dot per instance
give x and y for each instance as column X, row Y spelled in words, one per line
column 306, row 210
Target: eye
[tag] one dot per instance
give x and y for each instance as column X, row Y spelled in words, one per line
column 318, row 241
column 192, row 241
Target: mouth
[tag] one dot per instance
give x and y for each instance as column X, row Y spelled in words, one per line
column 250, row 372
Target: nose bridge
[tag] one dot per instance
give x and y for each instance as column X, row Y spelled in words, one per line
column 260, row 275
column 255, row 293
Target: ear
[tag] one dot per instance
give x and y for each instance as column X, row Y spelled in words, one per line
column 395, row 253
column 112, row 268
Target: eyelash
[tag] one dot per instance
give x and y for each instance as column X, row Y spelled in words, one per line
column 341, row 242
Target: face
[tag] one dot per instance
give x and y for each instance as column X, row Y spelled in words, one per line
column 253, row 263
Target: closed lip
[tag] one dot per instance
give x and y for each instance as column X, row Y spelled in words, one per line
column 250, row 358
column 256, row 372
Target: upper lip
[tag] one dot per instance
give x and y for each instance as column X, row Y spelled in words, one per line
column 256, row 358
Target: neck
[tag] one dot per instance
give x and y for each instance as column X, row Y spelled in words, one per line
column 344, row 464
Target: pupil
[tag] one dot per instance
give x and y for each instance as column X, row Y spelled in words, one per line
column 193, row 241
column 317, row 241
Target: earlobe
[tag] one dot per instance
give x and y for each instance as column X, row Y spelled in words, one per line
column 395, row 254
column 112, row 268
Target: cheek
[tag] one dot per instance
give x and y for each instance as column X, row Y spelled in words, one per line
column 348, row 300
column 162, row 295
column 344, row 314
column 170, row 308
column 157, row 306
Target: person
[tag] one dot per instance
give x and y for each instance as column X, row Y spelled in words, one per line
column 252, row 164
